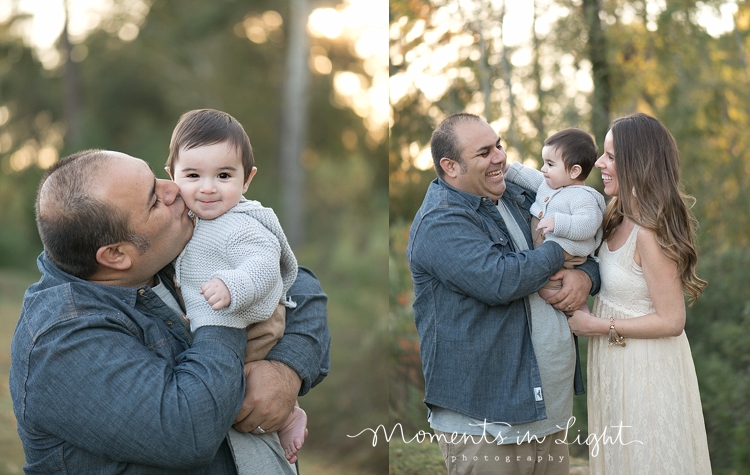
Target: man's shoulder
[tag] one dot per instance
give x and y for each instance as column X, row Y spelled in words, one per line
column 46, row 305
column 441, row 198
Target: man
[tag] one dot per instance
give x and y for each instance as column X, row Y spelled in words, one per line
column 498, row 361
column 105, row 375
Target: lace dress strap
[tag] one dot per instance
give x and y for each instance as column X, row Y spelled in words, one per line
column 627, row 251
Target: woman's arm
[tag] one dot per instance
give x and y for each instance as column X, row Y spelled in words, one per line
column 664, row 287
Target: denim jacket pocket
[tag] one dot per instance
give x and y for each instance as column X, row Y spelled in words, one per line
column 498, row 236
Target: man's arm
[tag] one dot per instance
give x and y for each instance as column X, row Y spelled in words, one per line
column 306, row 344
column 96, row 385
column 525, row 177
column 299, row 361
column 452, row 247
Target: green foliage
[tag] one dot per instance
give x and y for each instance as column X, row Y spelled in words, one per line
column 717, row 329
column 406, row 378
column 414, row 458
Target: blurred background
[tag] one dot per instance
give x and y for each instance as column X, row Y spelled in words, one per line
column 308, row 81
column 532, row 68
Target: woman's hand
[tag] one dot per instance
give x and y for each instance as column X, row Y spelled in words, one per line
column 586, row 324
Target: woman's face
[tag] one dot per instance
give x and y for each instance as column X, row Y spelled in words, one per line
column 606, row 163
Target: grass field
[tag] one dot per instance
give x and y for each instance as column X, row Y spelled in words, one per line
column 426, row 459
column 12, row 286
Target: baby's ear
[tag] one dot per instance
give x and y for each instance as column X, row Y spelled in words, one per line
column 250, row 178
column 575, row 172
column 169, row 172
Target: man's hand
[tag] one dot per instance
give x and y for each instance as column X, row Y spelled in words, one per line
column 270, row 394
column 216, row 294
column 576, row 286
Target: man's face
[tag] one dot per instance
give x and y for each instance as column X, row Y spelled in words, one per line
column 154, row 209
column 483, row 157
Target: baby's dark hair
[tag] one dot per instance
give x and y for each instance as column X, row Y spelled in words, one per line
column 576, row 147
column 208, row 127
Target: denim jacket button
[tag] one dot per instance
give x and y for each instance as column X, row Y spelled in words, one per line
column 169, row 323
column 141, row 291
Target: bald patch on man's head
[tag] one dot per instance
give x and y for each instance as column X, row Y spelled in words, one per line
column 73, row 219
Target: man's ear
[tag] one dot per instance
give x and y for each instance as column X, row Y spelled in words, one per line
column 450, row 167
column 249, row 178
column 115, row 256
column 575, row 172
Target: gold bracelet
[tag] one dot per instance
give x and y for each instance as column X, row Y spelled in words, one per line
column 614, row 337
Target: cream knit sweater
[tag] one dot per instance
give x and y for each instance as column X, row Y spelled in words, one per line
column 245, row 248
column 577, row 210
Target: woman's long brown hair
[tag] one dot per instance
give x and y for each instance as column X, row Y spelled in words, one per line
column 650, row 193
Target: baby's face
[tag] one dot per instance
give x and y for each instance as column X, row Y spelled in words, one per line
column 554, row 168
column 211, row 179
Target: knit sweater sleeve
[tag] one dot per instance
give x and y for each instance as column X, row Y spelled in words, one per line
column 256, row 277
column 525, row 177
column 583, row 219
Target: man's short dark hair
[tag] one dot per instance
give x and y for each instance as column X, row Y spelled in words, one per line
column 444, row 141
column 72, row 223
column 576, row 147
column 208, row 127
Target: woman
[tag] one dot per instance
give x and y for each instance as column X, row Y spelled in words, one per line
column 643, row 400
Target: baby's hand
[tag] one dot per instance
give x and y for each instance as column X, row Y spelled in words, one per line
column 216, row 294
column 547, row 225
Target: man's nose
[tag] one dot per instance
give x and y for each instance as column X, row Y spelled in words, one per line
column 499, row 156
column 168, row 191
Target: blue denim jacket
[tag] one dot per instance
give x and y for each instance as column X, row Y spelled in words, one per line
column 103, row 379
column 471, row 307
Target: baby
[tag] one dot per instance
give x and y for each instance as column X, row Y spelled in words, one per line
column 565, row 211
column 238, row 266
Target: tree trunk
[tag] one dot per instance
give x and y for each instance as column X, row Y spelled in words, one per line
column 537, row 117
column 73, row 105
column 507, row 71
column 600, row 70
column 484, row 67
column 293, row 132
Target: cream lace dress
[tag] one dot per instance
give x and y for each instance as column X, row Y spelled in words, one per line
column 649, row 385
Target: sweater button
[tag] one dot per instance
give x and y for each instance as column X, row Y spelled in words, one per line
column 546, row 199
column 541, row 213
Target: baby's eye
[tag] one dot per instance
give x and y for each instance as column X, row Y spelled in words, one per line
column 192, row 175
column 224, row 176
